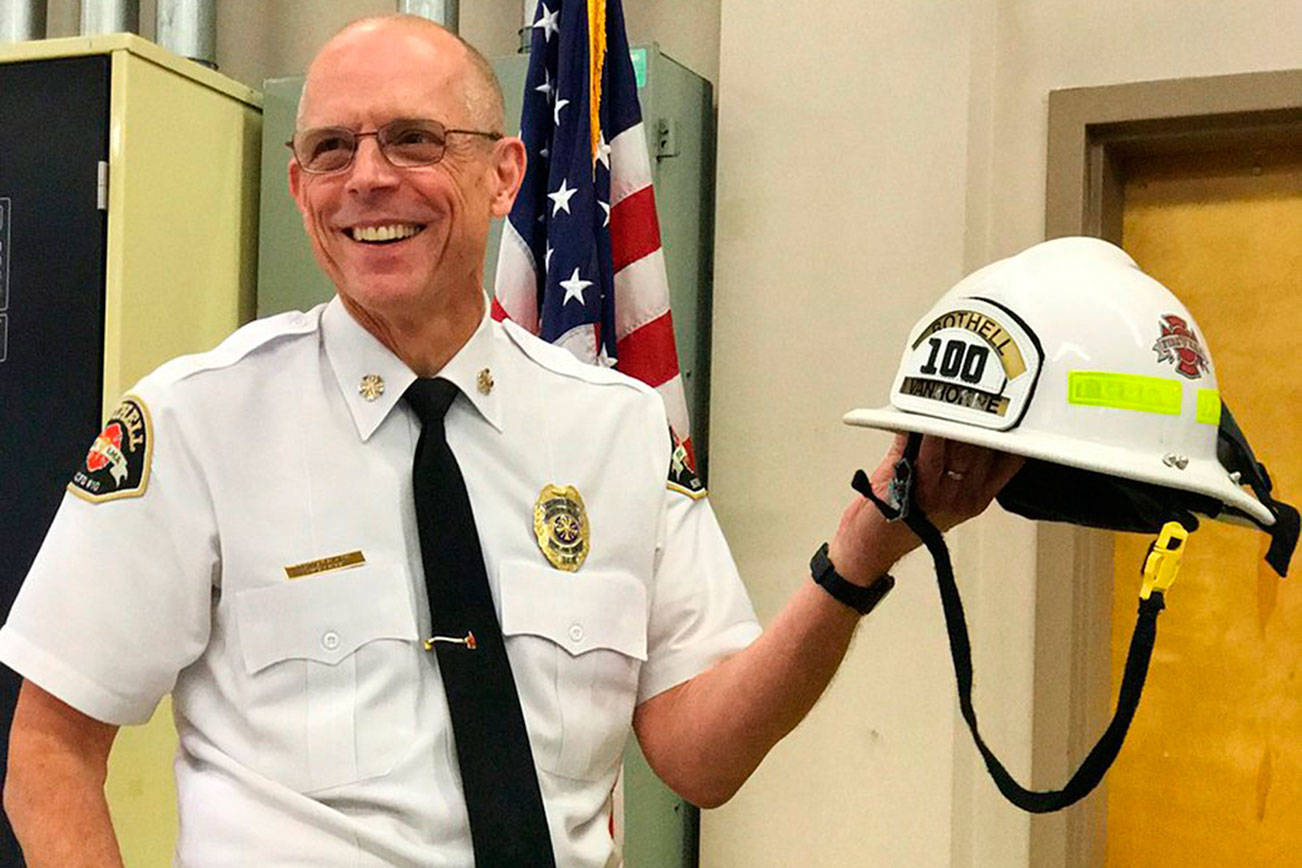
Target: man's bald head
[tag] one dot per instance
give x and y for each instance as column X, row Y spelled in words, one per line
column 480, row 91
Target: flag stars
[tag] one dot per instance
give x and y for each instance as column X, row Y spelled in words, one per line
column 546, row 87
column 547, row 21
column 552, row 284
column 574, row 288
column 561, row 198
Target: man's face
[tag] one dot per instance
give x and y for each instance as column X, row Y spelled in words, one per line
column 362, row 80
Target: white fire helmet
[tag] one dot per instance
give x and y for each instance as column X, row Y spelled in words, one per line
column 1071, row 356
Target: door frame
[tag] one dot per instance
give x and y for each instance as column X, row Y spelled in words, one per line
column 1093, row 132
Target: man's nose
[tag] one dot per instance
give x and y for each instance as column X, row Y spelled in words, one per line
column 370, row 170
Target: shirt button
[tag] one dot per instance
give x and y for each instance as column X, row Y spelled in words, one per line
column 330, row 640
column 576, row 632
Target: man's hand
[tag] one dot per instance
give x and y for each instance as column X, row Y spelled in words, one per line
column 705, row 736
column 952, row 482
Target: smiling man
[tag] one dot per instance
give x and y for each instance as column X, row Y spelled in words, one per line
column 401, row 229
column 412, row 576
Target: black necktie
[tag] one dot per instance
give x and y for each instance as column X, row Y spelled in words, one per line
column 507, row 823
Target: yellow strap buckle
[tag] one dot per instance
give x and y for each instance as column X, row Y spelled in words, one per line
column 1162, row 564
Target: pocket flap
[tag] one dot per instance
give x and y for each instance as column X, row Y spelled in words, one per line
column 323, row 618
column 578, row 611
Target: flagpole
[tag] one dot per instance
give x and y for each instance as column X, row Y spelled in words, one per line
column 530, row 12
column 445, row 12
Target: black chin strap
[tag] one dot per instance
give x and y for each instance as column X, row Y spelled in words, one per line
column 1235, row 454
column 1101, row 757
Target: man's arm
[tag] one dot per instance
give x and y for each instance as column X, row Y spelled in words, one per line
column 54, row 785
column 705, row 736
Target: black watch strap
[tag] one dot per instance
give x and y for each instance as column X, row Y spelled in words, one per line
column 861, row 599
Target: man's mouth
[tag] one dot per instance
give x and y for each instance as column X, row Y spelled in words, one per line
column 387, row 234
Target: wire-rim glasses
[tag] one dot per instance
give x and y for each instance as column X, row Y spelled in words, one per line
column 405, row 143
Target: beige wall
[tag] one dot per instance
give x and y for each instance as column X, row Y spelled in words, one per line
column 869, row 154
column 842, row 133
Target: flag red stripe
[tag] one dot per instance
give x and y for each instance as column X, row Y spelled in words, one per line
column 634, row 230
column 647, row 353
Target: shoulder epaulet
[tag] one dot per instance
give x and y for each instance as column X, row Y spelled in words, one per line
column 240, row 343
column 561, row 361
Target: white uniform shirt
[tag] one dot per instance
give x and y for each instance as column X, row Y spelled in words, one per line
column 313, row 726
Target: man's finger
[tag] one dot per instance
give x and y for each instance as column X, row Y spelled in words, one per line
column 979, row 470
column 897, row 446
column 931, row 458
column 962, row 461
column 1003, row 468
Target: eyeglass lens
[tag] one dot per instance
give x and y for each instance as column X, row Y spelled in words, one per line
column 403, row 142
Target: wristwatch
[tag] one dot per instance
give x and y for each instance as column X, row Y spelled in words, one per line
column 858, row 597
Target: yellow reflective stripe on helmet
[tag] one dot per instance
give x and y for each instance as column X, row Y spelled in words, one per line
column 1209, row 407
column 1124, row 392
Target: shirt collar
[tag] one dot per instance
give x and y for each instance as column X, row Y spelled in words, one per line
column 356, row 356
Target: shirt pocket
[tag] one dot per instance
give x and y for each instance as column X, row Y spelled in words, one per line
column 576, row 642
column 331, row 665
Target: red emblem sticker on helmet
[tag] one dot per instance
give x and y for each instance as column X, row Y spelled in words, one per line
column 117, row 464
column 1179, row 345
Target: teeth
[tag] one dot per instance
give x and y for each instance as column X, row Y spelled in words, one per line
column 391, row 232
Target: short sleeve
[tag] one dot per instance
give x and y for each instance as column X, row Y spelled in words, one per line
column 700, row 612
column 119, row 598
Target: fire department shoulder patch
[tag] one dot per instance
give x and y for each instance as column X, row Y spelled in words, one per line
column 682, row 470
column 117, row 464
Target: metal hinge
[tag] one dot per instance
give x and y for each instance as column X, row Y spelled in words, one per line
column 101, row 186
column 666, row 138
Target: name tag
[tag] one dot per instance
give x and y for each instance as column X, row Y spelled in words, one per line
column 325, row 565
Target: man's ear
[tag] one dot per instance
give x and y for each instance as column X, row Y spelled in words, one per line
column 507, row 174
column 295, row 182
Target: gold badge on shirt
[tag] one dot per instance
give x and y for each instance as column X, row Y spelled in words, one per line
column 561, row 525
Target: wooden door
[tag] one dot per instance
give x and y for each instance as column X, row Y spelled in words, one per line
column 1212, row 771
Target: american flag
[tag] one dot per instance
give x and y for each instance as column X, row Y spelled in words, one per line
column 586, row 211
